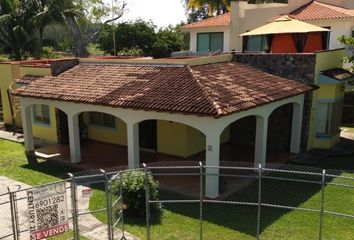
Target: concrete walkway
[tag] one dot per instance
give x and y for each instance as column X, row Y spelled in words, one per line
column 17, row 137
column 89, row 225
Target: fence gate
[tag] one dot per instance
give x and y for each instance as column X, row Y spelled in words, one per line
column 115, row 206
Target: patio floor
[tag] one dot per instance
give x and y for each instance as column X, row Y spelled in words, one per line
column 104, row 155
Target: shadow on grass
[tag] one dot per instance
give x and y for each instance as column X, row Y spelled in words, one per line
column 243, row 218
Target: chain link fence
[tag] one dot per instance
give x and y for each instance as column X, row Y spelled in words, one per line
column 277, row 202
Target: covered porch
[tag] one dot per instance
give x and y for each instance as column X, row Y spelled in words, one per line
column 111, row 155
column 214, row 147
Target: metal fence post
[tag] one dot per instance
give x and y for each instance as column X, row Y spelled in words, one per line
column 121, row 212
column 74, row 206
column 201, row 198
column 323, row 183
column 14, row 218
column 147, row 202
column 108, row 205
column 259, row 201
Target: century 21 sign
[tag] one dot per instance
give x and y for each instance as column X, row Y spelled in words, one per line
column 47, row 211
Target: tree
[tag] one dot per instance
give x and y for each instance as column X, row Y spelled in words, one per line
column 139, row 34
column 213, row 6
column 143, row 35
column 349, row 42
column 17, row 33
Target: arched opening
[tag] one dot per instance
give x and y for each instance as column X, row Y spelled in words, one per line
column 103, row 140
column 238, row 140
column 279, row 128
column 169, row 141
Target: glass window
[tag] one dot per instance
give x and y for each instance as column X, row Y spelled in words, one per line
column 210, row 42
column 257, row 44
column 329, row 118
column 41, row 114
column 102, row 120
column 216, row 41
column 203, row 42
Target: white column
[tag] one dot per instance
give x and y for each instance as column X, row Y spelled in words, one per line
column 260, row 155
column 296, row 128
column 212, row 158
column 133, row 145
column 74, row 138
column 27, row 128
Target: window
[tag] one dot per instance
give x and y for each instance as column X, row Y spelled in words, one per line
column 102, row 120
column 329, row 118
column 257, row 44
column 210, row 42
column 41, row 114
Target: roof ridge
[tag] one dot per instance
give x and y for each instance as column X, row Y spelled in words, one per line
column 335, row 8
column 218, row 109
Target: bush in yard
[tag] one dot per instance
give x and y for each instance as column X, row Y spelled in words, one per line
column 133, row 190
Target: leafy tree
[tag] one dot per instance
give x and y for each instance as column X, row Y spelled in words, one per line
column 348, row 41
column 139, row 34
column 143, row 35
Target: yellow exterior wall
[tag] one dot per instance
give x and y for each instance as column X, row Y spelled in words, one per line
column 324, row 61
column 9, row 72
column 109, row 135
column 225, row 135
column 48, row 133
column 178, row 139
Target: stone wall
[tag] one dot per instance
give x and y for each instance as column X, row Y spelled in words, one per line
column 62, row 65
column 299, row 67
column 279, row 129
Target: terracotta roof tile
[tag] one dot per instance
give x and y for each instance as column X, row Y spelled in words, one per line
column 214, row 89
column 318, row 11
column 27, row 79
column 217, row 21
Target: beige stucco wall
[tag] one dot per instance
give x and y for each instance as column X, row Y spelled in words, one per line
column 194, row 33
column 245, row 17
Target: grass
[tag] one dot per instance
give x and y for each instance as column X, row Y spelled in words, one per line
column 13, row 164
column 180, row 221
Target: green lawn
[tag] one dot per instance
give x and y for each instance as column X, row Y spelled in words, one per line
column 13, row 164
column 180, row 221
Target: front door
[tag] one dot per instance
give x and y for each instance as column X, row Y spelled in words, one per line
column 148, row 135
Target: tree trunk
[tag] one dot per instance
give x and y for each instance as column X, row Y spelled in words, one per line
column 80, row 44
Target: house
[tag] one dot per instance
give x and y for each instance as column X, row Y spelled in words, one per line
column 223, row 32
column 186, row 107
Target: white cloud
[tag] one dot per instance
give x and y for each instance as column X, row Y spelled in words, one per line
column 161, row 12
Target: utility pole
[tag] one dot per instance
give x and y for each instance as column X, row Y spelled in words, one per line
column 114, row 35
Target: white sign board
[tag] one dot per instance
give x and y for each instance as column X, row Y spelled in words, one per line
column 48, row 213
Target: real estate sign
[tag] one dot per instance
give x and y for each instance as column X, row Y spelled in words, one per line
column 47, row 211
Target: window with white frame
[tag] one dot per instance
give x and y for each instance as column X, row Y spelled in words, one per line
column 41, row 114
column 102, row 120
column 329, row 118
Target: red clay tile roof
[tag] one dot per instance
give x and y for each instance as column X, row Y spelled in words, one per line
column 217, row 21
column 318, row 11
column 215, row 89
column 27, row 79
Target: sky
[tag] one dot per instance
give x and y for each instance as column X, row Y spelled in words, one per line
column 161, row 12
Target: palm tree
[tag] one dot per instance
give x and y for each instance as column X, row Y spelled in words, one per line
column 17, row 33
column 64, row 12
column 214, row 6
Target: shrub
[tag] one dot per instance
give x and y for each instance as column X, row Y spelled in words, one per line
column 48, row 53
column 136, row 52
column 133, row 190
